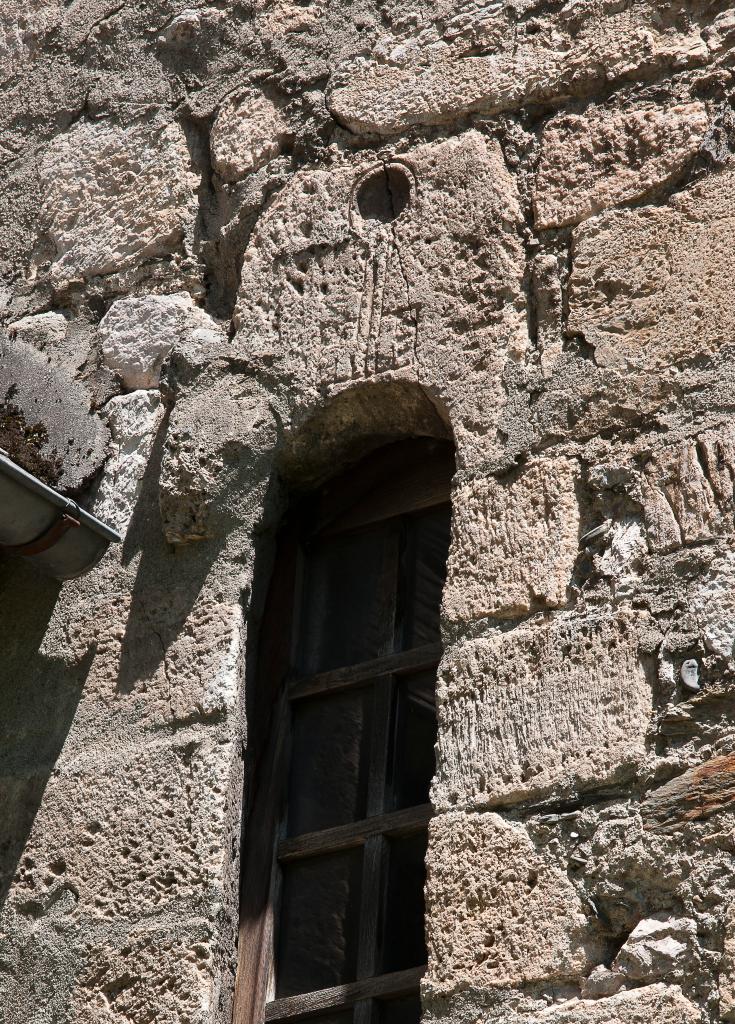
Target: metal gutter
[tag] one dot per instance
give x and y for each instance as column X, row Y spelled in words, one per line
column 51, row 531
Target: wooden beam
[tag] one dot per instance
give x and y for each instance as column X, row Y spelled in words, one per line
column 295, row 1007
column 343, row 837
column 697, row 794
column 415, row 660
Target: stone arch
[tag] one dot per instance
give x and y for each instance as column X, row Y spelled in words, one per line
column 325, row 443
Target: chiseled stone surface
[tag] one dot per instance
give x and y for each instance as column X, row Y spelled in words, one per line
column 133, row 420
column 497, row 915
column 604, row 158
column 249, row 131
column 646, row 285
column 514, row 542
column 332, row 296
column 545, row 708
column 688, row 492
column 138, row 334
column 115, row 196
column 432, row 80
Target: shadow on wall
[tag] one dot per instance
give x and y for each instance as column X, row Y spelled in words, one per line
column 167, row 582
column 38, row 699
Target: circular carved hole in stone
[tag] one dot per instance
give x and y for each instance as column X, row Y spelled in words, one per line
column 384, row 194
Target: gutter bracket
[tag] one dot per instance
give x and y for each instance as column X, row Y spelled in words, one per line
column 66, row 521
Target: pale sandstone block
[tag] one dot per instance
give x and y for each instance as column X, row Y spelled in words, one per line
column 133, row 420
column 545, row 708
column 650, row 286
column 248, row 132
column 568, row 54
column 497, row 914
column 115, row 197
column 42, row 330
column 688, row 494
column 652, row 1004
column 606, row 157
column 514, row 542
column 131, row 830
column 660, row 947
column 331, row 296
column 162, row 972
column 727, row 968
column 138, row 333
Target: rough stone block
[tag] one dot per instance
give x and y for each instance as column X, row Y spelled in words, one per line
column 727, row 967
column 42, row 330
column 137, row 334
column 688, row 494
column 659, row 948
column 711, row 605
column 115, row 197
column 648, row 287
column 514, row 542
column 219, row 435
column 426, row 79
column 167, row 658
column 160, row 973
column 130, row 832
column 604, row 157
column 545, row 708
column 248, row 132
column 498, row 914
column 336, row 291
column 652, row 1004
column 133, row 420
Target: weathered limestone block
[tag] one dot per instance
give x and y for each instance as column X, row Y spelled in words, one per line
column 514, row 542
column 727, row 967
column 604, row 158
column 498, row 914
column 25, row 26
column 207, row 660
column 42, row 330
column 115, row 197
column 248, row 132
column 545, row 708
column 712, row 605
column 648, row 287
column 659, row 948
column 137, row 335
column 167, row 658
column 688, row 494
column 410, row 269
column 131, row 831
column 160, row 971
column 652, row 1004
column 218, row 434
column 133, row 420
column 550, row 56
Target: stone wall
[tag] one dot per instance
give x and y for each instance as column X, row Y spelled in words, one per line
column 245, row 242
